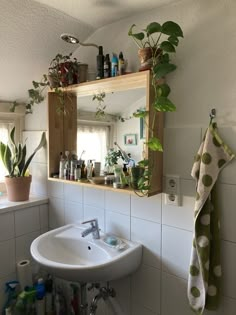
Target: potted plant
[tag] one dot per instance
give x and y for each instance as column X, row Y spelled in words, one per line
column 111, row 159
column 63, row 71
column 156, row 42
column 16, row 163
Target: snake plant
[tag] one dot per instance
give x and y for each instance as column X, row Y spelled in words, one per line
column 14, row 155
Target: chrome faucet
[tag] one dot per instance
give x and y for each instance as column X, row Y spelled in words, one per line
column 94, row 229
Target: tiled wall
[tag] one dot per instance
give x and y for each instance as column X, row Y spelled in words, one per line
column 17, row 231
column 159, row 286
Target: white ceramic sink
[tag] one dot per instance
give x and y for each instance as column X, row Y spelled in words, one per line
column 66, row 254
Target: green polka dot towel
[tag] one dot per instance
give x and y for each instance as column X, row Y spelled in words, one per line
column 205, row 267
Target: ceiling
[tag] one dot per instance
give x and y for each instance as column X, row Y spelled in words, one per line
column 98, row 13
column 30, row 34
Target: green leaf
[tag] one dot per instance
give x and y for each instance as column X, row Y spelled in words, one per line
column 163, row 90
column 143, row 163
column 153, row 27
column 154, row 144
column 140, row 114
column 35, row 84
column 163, row 104
column 165, row 58
column 173, row 40
column 160, row 70
column 139, row 36
column 41, row 144
column 172, row 28
column 166, row 46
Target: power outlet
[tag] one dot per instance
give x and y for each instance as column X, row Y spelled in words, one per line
column 172, row 190
column 173, row 200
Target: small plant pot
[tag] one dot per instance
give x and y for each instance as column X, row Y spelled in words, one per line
column 136, row 173
column 18, row 188
column 146, row 59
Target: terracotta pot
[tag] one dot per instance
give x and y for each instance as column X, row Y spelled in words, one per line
column 18, row 188
column 145, row 57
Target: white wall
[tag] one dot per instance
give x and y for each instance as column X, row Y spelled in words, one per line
column 205, row 78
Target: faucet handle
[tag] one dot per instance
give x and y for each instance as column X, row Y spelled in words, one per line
column 93, row 222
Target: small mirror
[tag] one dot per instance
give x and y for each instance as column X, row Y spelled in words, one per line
column 106, row 121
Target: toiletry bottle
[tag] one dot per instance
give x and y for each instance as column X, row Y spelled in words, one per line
column 100, row 64
column 67, row 165
column 121, row 65
column 40, row 294
column 77, row 172
column 89, row 169
column 107, row 66
column 83, row 170
column 114, row 65
column 61, row 166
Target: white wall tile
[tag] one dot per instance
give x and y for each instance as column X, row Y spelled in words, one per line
column 121, row 303
column 73, row 212
column 228, row 174
column 118, row 224
column 73, row 193
column 55, row 189
column 147, row 208
column 176, row 250
column 39, row 182
column 94, row 197
column 229, row 270
column 56, row 213
column 117, row 202
column 7, row 264
column 7, row 227
column 23, row 245
column 226, row 200
column 149, row 235
column 32, row 139
column 95, row 213
column 145, row 289
column 138, row 309
column 44, row 216
column 27, row 220
column 174, row 296
column 180, row 147
column 182, row 216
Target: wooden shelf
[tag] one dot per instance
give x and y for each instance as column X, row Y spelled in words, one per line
column 125, row 82
column 126, row 190
column 63, row 129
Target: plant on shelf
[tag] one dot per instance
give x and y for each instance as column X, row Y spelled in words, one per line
column 62, row 71
column 16, row 162
column 156, row 42
column 112, row 158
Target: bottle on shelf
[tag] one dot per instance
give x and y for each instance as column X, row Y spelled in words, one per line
column 100, row 63
column 107, row 66
column 114, row 65
column 121, row 64
column 61, row 166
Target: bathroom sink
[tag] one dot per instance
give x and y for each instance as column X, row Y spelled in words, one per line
column 67, row 255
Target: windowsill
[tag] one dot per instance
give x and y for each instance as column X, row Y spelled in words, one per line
column 7, row 206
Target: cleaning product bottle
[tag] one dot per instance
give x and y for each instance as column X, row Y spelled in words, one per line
column 100, row 64
column 61, row 166
column 121, row 64
column 114, row 65
column 40, row 294
column 107, row 66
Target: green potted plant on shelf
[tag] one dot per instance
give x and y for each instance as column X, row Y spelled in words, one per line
column 62, row 72
column 156, row 42
column 14, row 158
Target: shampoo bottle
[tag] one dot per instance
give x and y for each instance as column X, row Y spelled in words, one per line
column 114, row 66
column 107, row 66
column 121, row 65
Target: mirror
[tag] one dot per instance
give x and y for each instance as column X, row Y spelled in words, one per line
column 99, row 130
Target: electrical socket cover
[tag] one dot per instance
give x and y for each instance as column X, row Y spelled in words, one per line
column 172, row 184
column 173, row 200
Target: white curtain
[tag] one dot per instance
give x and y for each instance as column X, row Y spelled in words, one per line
column 5, row 128
column 93, row 142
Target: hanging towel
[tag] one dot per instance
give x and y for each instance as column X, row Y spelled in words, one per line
column 205, row 266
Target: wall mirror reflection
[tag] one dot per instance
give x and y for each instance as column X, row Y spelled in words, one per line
column 110, row 124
